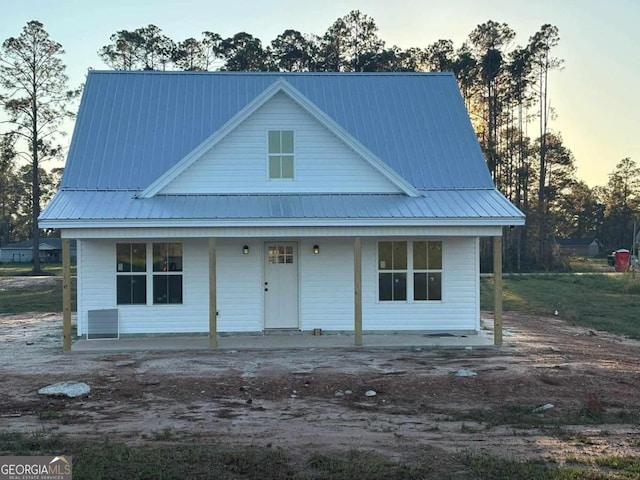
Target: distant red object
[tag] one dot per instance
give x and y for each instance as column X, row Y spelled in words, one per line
column 622, row 257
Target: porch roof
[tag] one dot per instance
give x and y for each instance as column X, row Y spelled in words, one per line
column 74, row 208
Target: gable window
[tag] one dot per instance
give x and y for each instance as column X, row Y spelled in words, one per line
column 131, row 268
column 280, row 153
column 167, row 273
column 409, row 270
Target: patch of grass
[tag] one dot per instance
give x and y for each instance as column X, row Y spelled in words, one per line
column 362, row 465
column 485, row 466
column 574, row 438
column 106, row 459
column 35, row 298
column 165, row 434
column 602, row 302
column 626, row 464
column 37, row 442
column 111, row 460
column 26, row 269
column 588, row 264
column 523, row 416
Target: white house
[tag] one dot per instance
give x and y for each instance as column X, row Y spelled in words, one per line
column 245, row 202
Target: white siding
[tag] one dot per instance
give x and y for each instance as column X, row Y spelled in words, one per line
column 326, row 289
column 96, row 278
column 238, row 163
column 239, row 279
column 459, row 309
column 98, row 291
column 79, row 282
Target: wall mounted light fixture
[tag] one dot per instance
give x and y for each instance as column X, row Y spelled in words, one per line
column 245, row 250
column 316, row 249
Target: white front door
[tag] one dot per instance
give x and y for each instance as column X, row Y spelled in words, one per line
column 281, row 285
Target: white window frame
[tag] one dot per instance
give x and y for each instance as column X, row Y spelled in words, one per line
column 394, row 270
column 281, row 154
column 131, row 273
column 409, row 271
column 149, row 274
column 166, row 273
column 427, row 270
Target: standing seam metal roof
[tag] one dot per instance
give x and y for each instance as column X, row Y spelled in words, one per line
column 134, row 126
column 480, row 205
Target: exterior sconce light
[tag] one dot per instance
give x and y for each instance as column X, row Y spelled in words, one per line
column 245, row 250
column 316, row 249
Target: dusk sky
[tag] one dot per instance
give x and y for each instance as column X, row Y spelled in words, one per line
column 595, row 97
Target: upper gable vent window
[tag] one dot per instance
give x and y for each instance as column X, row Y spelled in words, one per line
column 281, row 154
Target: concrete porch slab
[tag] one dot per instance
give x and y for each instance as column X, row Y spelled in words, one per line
column 280, row 341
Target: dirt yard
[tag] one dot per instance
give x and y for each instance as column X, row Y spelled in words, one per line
column 314, row 400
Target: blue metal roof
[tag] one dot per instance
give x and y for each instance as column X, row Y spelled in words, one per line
column 134, row 126
column 482, row 206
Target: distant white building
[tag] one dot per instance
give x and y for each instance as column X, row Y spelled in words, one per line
column 240, row 202
column 22, row 252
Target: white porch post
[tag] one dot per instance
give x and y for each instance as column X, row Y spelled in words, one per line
column 66, row 294
column 497, row 290
column 357, row 289
column 213, row 307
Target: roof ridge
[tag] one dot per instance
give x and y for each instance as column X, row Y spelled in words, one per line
column 265, row 73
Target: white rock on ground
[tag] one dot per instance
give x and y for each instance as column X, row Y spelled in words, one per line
column 463, row 372
column 66, row 389
column 542, row 408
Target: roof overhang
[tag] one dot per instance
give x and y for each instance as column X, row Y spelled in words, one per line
column 280, row 222
column 101, row 209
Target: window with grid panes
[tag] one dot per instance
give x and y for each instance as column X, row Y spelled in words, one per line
column 167, row 273
column 427, row 270
column 131, row 273
column 280, row 153
column 392, row 271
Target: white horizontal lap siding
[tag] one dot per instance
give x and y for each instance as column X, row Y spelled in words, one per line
column 326, row 284
column 239, row 281
column 459, row 308
column 79, row 323
column 96, row 278
column 97, row 290
column 238, row 163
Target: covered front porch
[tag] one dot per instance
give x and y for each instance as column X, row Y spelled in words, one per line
column 351, row 331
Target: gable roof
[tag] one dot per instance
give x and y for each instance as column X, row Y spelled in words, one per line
column 136, row 131
column 133, row 127
column 279, row 86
